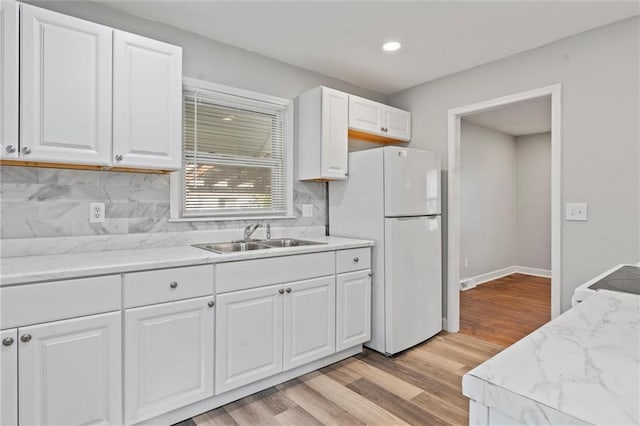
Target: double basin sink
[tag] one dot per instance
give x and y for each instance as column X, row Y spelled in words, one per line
column 248, row 245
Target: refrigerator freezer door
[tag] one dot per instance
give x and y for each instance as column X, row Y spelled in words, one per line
column 413, row 281
column 411, row 182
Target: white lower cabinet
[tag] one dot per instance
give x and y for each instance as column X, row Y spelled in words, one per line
column 70, row 371
column 309, row 321
column 168, row 357
column 353, row 309
column 9, row 377
column 248, row 336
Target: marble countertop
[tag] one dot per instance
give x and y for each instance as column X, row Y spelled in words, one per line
column 29, row 269
column 582, row 367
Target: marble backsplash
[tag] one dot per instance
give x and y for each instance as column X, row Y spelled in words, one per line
column 43, row 202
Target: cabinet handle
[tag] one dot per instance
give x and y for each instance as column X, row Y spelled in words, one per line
column 288, row 290
column 346, row 173
column 25, row 338
column 26, row 150
column 356, row 259
column 382, row 129
column 10, row 149
column 7, row 341
column 281, row 291
column 211, row 304
column 119, row 157
column 370, row 274
column 173, row 284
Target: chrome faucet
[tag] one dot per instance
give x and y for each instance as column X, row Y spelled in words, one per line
column 250, row 229
column 268, row 231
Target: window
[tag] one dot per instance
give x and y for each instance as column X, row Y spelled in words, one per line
column 236, row 155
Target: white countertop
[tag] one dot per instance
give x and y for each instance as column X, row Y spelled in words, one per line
column 28, row 269
column 582, row 367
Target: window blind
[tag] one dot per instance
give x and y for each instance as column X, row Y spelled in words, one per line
column 234, row 156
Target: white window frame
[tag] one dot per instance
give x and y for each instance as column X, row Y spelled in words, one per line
column 176, row 177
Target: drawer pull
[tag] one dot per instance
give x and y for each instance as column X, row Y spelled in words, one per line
column 288, row 290
column 173, row 284
column 211, row 304
column 370, row 274
column 25, row 338
column 356, row 259
column 7, row 341
column 281, row 291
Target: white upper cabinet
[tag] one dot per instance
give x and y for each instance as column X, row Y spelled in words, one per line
column 378, row 120
column 147, row 103
column 69, row 372
column 9, row 377
column 322, row 134
column 366, row 115
column 397, row 123
column 65, row 88
column 9, row 79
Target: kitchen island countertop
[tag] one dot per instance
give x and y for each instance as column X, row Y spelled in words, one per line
column 583, row 367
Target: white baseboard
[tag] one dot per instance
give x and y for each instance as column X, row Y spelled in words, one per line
column 546, row 273
column 499, row 273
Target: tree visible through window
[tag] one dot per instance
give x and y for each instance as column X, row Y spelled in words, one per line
column 234, row 155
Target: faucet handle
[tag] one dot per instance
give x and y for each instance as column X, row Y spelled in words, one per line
column 268, row 231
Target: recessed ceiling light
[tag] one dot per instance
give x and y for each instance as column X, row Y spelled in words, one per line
column 391, row 46
column 229, row 118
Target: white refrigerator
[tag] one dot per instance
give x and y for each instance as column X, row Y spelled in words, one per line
column 392, row 197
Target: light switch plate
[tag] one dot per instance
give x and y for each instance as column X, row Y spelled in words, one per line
column 307, row 210
column 96, row 212
column 576, row 212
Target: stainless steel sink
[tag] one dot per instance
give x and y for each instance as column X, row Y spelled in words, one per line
column 248, row 245
column 289, row 242
column 234, row 246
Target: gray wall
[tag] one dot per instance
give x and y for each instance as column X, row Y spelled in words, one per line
column 52, row 202
column 488, row 232
column 533, row 195
column 598, row 70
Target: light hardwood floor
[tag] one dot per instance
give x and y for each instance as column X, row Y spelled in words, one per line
column 421, row 386
column 505, row 310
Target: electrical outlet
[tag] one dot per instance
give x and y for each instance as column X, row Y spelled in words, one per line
column 576, row 212
column 466, row 262
column 307, row 210
column 96, row 212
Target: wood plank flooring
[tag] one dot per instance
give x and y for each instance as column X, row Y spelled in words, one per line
column 505, row 310
column 421, row 386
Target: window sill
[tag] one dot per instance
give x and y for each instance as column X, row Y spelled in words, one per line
column 230, row 218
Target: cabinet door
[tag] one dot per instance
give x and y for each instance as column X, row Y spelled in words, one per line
column 65, row 83
column 309, row 321
column 70, row 372
column 335, row 143
column 248, row 336
column 168, row 357
column 8, row 79
column 397, row 123
column 147, row 102
column 9, row 377
column 365, row 115
column 353, row 311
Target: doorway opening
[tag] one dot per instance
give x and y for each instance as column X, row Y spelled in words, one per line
column 472, row 258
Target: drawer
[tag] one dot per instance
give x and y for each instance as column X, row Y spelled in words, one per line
column 56, row 300
column 246, row 274
column 167, row 285
column 353, row 260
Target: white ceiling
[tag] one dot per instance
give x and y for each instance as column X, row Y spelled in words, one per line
column 343, row 39
column 522, row 118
